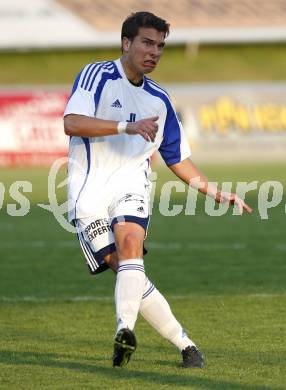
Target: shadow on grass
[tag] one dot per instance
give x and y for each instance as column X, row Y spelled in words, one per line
column 111, row 374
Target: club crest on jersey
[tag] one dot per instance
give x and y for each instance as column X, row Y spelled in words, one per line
column 116, row 104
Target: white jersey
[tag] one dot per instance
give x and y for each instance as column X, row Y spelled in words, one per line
column 100, row 165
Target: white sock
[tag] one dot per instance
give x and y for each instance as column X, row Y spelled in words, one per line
column 129, row 289
column 157, row 312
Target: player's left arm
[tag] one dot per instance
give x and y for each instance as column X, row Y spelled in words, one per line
column 187, row 171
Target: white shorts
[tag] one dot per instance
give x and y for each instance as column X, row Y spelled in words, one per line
column 95, row 233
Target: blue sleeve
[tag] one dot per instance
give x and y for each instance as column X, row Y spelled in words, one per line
column 170, row 148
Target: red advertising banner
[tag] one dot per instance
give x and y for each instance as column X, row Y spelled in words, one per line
column 31, row 127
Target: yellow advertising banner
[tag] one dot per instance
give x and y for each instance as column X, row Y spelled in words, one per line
column 233, row 120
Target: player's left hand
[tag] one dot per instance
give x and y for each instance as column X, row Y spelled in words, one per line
column 233, row 199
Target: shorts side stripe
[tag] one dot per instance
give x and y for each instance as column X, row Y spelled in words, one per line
column 88, row 258
column 89, row 251
column 92, row 263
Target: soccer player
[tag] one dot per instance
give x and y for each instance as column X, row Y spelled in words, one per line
column 117, row 118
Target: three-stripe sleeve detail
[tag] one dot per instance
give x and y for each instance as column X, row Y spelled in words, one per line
column 91, row 71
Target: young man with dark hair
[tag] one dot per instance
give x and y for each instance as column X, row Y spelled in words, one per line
column 117, row 118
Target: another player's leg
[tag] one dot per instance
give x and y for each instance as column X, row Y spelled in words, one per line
column 130, row 283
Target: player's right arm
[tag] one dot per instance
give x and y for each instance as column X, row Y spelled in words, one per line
column 85, row 126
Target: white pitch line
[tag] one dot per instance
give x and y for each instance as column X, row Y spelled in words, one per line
column 150, row 245
column 34, row 299
column 39, row 243
column 156, row 245
column 192, row 245
column 281, row 247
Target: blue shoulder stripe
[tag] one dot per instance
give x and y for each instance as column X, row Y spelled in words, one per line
column 105, row 76
column 107, row 66
column 159, row 92
column 91, row 71
column 86, row 73
column 157, row 86
column 95, row 71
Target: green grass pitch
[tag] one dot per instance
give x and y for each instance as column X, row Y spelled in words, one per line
column 223, row 276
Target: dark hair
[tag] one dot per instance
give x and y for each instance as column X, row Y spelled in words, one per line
column 131, row 25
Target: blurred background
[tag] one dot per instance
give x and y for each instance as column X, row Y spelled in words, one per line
column 224, row 66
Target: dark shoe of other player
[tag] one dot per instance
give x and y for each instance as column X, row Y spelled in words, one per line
column 192, row 358
column 124, row 345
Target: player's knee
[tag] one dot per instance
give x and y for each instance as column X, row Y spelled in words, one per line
column 112, row 261
column 130, row 247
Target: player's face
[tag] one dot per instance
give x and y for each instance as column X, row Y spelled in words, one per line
column 144, row 52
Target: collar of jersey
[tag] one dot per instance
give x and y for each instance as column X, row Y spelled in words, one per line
column 124, row 77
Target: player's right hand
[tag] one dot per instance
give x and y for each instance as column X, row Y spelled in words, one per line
column 147, row 128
